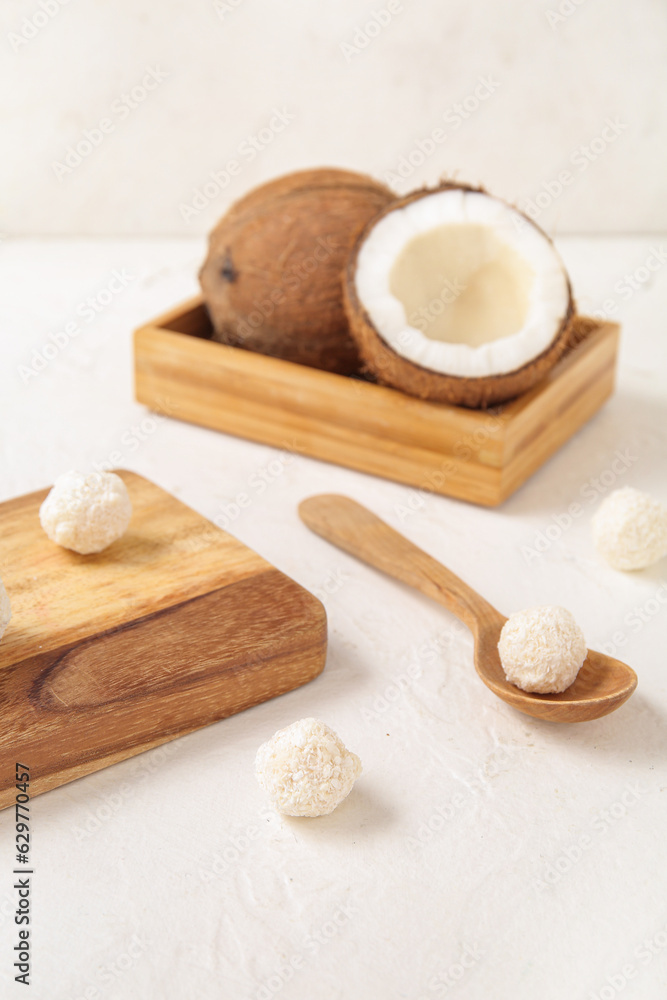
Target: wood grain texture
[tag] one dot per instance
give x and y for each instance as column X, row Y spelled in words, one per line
column 173, row 627
column 469, row 454
column 603, row 683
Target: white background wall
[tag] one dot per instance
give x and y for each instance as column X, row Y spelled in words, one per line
column 560, row 69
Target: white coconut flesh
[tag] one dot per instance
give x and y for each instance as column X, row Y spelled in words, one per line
column 462, row 284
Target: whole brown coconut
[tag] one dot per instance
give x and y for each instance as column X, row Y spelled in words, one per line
column 272, row 280
column 388, row 367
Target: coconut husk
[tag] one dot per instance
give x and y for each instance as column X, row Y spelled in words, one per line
column 389, row 368
column 272, row 280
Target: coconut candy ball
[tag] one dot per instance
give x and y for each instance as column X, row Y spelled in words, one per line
column 542, row 649
column 630, row 529
column 86, row 513
column 5, row 609
column 306, row 769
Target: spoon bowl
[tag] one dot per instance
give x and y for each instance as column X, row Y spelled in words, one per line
column 602, row 685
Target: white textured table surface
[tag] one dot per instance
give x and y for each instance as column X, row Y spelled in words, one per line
column 482, row 854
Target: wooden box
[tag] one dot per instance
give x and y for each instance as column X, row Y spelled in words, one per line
column 481, row 456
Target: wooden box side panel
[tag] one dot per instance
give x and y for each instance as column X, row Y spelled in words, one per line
column 542, row 421
column 471, row 455
column 212, row 404
column 203, row 365
column 190, row 317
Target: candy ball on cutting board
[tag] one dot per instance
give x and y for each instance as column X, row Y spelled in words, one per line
column 5, row 609
column 305, row 769
column 630, row 529
column 542, row 649
column 86, row 513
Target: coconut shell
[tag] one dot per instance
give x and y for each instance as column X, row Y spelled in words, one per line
column 389, row 368
column 273, row 277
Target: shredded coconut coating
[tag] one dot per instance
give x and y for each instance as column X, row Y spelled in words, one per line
column 630, row 529
column 5, row 609
column 542, row 649
column 306, row 769
column 86, row 513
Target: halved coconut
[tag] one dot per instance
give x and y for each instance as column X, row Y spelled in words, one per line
column 455, row 296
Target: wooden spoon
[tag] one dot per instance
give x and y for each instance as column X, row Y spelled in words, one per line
column 603, row 683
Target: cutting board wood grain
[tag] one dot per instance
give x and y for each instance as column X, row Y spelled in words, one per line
column 173, row 627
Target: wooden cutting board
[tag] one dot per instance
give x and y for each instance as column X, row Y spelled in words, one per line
column 171, row 628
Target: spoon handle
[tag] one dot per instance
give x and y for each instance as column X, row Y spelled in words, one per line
column 351, row 527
